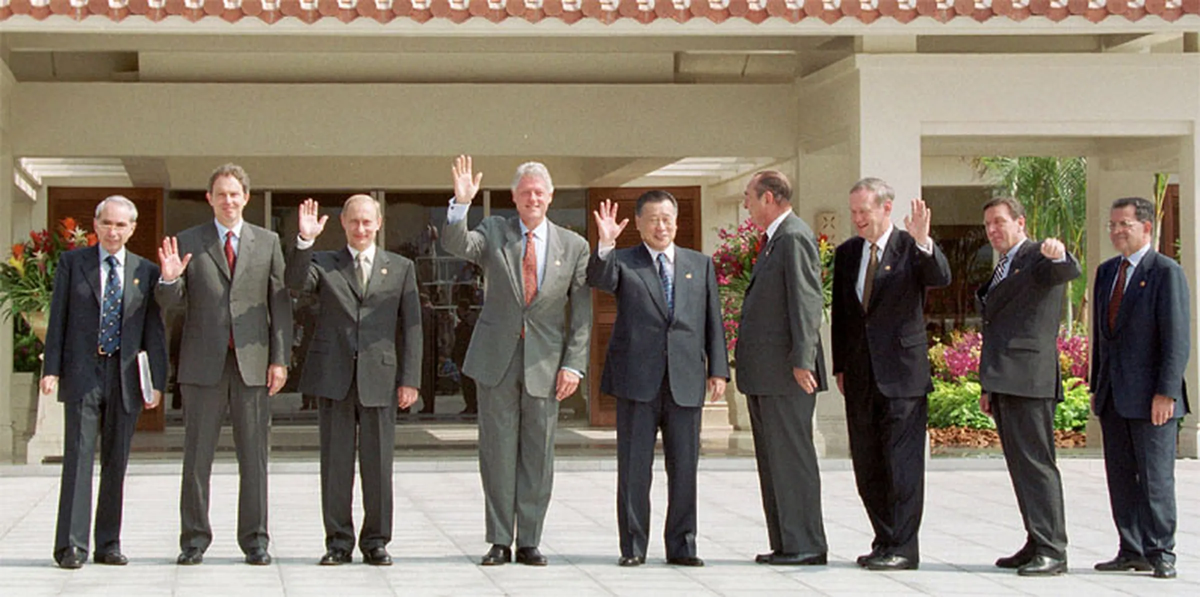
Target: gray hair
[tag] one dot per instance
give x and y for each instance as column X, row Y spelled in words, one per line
column 121, row 200
column 537, row 169
column 876, row 186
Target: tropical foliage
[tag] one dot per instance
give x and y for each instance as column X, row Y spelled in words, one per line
column 27, row 277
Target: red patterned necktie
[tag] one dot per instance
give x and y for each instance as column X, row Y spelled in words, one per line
column 529, row 268
column 1114, row 305
column 230, row 256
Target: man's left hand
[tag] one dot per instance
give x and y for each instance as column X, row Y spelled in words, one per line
column 276, row 377
column 155, row 400
column 917, row 223
column 566, row 384
column 805, row 378
column 1162, row 409
column 716, row 388
column 1053, row 249
column 406, row 396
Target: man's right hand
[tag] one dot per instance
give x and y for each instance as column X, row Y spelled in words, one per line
column 312, row 224
column 48, row 384
column 466, row 184
column 985, row 404
column 606, row 223
column 170, row 264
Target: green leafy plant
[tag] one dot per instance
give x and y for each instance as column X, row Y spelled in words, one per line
column 956, row 404
column 27, row 278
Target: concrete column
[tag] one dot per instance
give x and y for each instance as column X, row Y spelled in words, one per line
column 1189, row 170
column 6, row 201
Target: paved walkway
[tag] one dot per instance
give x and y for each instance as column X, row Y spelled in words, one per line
column 970, row 519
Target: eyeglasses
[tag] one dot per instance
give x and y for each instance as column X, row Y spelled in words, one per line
column 1122, row 226
column 118, row 226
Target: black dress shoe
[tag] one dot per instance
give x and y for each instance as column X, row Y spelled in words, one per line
column 377, row 556
column 1043, row 566
column 890, row 561
column 335, row 557
column 1016, row 560
column 692, row 561
column 72, row 558
column 110, row 558
column 629, row 561
column 531, row 556
column 1163, row 569
column 764, row 558
column 190, row 557
column 862, row 560
column 498, row 554
column 258, row 557
column 1122, row 563
column 797, row 559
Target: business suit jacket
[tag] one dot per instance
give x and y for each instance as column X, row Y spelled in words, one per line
column 73, row 331
column 253, row 303
column 1021, row 316
column 892, row 326
column 781, row 315
column 557, row 323
column 647, row 344
column 1147, row 352
column 371, row 339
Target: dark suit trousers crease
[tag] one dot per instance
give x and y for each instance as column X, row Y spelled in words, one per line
column 637, row 429
column 344, row 424
column 204, row 408
column 788, row 474
column 1139, row 460
column 102, row 414
column 887, row 447
column 1026, row 428
column 516, row 456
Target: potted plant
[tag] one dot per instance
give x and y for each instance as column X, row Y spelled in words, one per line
column 27, row 277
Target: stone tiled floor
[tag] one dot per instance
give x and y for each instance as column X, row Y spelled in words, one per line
column 970, row 519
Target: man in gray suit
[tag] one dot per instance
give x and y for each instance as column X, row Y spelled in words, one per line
column 781, row 368
column 528, row 351
column 235, row 348
column 667, row 347
column 364, row 360
column 1140, row 346
column 1019, row 374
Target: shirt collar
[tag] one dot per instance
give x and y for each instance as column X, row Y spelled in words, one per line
column 1012, row 253
column 120, row 255
column 669, row 252
column 775, row 225
column 237, row 229
column 369, row 252
column 538, row 232
column 1138, row 255
column 882, row 241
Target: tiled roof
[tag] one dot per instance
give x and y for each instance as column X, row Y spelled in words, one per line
column 604, row 11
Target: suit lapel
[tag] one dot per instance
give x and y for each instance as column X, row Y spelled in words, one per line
column 345, row 267
column 889, row 259
column 131, row 291
column 554, row 259
column 685, row 270
column 215, row 246
column 1133, row 289
column 514, row 251
column 244, row 251
column 379, row 273
column 1104, row 288
column 647, row 270
column 91, row 272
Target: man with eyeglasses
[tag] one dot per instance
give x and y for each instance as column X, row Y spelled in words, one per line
column 1140, row 346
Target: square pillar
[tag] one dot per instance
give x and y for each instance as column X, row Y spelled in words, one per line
column 1189, row 170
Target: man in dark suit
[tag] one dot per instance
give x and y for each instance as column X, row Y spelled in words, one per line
column 528, row 352
column 667, row 348
column 880, row 358
column 1021, row 307
column 234, row 352
column 102, row 314
column 1140, row 346
column 363, row 363
column 781, row 367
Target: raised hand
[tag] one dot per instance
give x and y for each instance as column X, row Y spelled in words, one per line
column 169, row 262
column 1053, row 249
column 917, row 223
column 466, row 184
column 311, row 222
column 606, row 223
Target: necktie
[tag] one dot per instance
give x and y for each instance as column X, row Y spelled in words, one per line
column 1118, row 293
column 529, row 268
column 998, row 273
column 110, row 310
column 364, row 271
column 668, row 284
column 869, row 280
column 230, row 256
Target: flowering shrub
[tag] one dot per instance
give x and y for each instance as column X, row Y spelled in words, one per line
column 27, row 278
column 959, row 356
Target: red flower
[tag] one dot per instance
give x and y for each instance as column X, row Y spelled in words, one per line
column 18, row 250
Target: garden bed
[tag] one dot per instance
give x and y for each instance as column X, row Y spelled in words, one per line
column 966, row 437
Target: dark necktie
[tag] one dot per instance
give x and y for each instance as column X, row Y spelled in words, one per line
column 869, row 280
column 998, row 273
column 110, row 310
column 668, row 284
column 230, row 256
column 529, row 268
column 1118, row 293
column 364, row 272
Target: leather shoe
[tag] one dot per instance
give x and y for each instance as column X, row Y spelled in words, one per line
column 692, row 561
column 335, row 557
column 258, row 557
column 1042, row 565
column 530, row 556
column 1163, row 569
column 72, row 558
column 110, row 558
column 377, row 556
column 764, row 558
column 862, row 560
column 1022, row 557
column 498, row 554
column 630, row 561
column 797, row 559
column 1122, row 563
column 190, row 557
column 890, row 561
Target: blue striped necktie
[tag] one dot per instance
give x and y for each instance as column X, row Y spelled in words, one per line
column 668, row 285
column 110, row 311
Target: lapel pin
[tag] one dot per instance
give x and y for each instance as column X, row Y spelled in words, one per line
column 887, row 268
column 383, row 272
column 688, row 275
column 557, row 263
column 1016, row 271
column 1143, row 284
column 137, row 281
